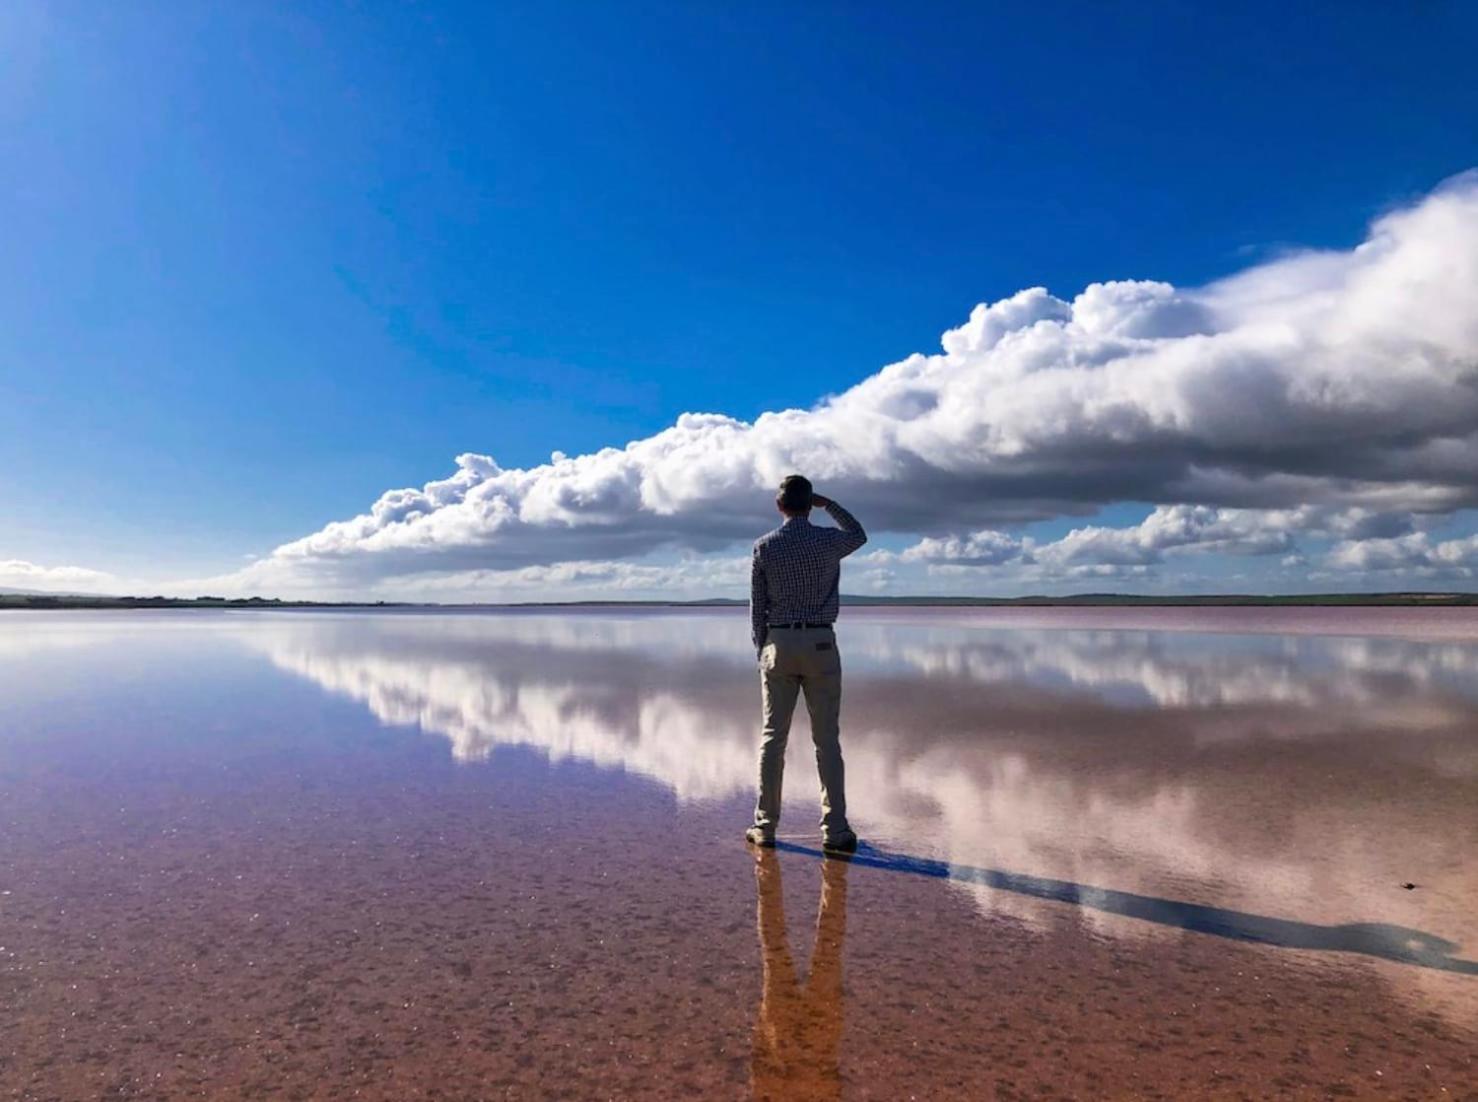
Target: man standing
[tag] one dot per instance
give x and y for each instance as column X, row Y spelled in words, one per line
column 792, row 607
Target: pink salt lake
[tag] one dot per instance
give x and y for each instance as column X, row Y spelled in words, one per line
column 1109, row 854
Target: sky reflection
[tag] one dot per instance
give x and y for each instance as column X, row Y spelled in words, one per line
column 1289, row 774
column 1293, row 773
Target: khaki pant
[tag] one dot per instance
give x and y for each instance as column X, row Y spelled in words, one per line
column 799, row 660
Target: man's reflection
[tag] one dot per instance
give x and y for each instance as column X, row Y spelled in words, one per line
column 799, row 1031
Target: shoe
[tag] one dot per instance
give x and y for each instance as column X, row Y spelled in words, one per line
column 759, row 836
column 845, row 842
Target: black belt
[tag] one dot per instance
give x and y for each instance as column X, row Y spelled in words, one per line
column 799, row 625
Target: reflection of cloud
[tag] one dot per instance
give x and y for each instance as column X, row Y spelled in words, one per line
column 586, row 704
column 1120, row 664
column 479, row 708
column 25, row 633
column 589, row 687
column 1296, row 776
column 1158, row 668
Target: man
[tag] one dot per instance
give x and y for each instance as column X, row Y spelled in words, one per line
column 792, row 607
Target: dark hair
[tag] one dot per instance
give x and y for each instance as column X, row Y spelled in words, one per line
column 795, row 494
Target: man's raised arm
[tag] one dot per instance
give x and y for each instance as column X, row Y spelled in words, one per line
column 853, row 536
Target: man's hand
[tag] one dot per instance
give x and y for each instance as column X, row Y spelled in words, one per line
column 819, row 501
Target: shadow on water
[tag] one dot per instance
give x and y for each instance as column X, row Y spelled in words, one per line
column 1371, row 939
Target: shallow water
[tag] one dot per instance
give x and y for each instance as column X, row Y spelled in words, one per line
column 1109, row 853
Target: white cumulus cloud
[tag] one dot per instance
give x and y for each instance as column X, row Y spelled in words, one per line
column 20, row 574
column 1416, row 553
column 1328, row 381
column 1169, row 530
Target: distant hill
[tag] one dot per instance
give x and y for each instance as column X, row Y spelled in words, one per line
column 12, row 591
column 12, row 598
column 1073, row 600
column 23, row 599
column 1191, row 600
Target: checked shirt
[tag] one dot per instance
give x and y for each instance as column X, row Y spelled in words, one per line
column 796, row 569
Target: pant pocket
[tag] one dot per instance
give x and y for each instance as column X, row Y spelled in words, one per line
column 830, row 659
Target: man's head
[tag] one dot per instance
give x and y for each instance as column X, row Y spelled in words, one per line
column 794, row 497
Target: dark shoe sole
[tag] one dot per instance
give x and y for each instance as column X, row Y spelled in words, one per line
column 847, row 846
column 764, row 841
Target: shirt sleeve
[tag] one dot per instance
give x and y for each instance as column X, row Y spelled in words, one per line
column 851, row 534
column 759, row 601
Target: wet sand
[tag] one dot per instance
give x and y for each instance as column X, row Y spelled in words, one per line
column 395, row 856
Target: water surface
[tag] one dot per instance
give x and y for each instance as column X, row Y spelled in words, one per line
column 1110, row 853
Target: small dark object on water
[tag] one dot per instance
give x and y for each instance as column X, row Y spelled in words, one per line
column 1409, row 886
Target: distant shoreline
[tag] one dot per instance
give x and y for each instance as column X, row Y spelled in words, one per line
column 1405, row 599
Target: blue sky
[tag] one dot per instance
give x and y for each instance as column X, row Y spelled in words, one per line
column 262, row 264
